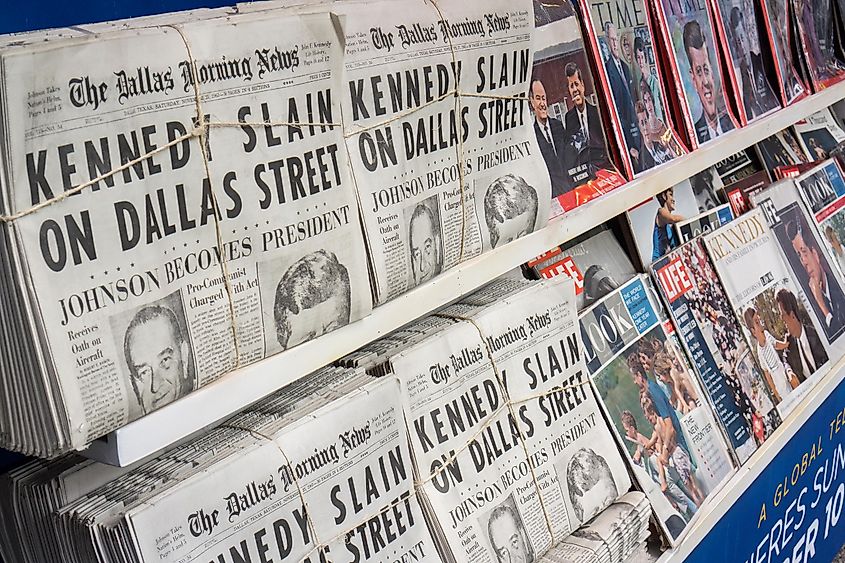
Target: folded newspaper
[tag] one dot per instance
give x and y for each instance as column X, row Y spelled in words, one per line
column 320, row 471
column 512, row 451
column 146, row 252
column 661, row 419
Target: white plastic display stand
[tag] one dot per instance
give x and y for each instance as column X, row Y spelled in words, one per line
column 234, row 391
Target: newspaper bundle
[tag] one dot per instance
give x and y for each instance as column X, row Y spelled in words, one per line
column 656, row 408
column 147, row 251
column 716, row 347
column 320, row 471
column 623, row 45
column 511, row 448
column 611, row 537
column 823, row 192
column 438, row 133
column 773, row 310
column 595, row 260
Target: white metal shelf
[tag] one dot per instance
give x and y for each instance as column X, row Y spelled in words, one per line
column 715, row 507
column 233, row 392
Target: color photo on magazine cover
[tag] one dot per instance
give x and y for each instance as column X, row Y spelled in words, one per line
column 566, row 117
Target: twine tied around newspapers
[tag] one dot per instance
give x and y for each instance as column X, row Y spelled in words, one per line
column 507, row 408
column 200, row 133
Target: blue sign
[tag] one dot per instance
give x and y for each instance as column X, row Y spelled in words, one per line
column 794, row 512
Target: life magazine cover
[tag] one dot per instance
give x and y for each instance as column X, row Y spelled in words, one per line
column 512, row 451
column 661, row 419
column 777, row 23
column 716, row 346
column 823, row 191
column 440, row 177
column 693, row 57
column 737, row 24
column 622, row 43
column 595, row 260
column 168, row 271
column 653, row 221
column 703, row 223
column 785, row 338
column 816, row 37
column 565, row 106
column 819, row 134
column 738, row 193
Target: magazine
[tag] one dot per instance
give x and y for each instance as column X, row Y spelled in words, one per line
column 777, row 26
column 703, row 223
column 781, row 149
column 819, row 134
column 737, row 193
column 595, row 260
column 815, row 24
column 652, row 223
column 565, row 110
column 774, row 312
column 665, row 426
column 738, row 166
column 716, row 346
column 737, row 24
column 823, row 191
column 633, row 86
column 693, row 57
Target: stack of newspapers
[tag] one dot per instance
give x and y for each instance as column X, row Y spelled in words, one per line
column 304, row 475
column 611, row 537
column 224, row 186
column 510, row 445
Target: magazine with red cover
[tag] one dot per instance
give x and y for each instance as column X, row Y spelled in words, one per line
column 566, row 117
column 740, row 39
column 693, row 57
column 777, row 22
column 817, row 43
column 621, row 41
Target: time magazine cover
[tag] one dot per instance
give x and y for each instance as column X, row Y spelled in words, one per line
column 719, row 353
column 790, row 85
column 657, row 410
column 816, row 37
column 653, row 222
column 622, row 43
column 565, row 110
column 823, row 191
column 740, row 38
column 786, row 339
column 693, row 57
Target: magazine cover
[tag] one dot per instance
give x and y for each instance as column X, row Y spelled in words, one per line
column 653, row 222
column 703, row 223
column 786, row 340
column 776, row 17
column 819, row 134
column 738, row 166
column 823, row 191
column 674, row 447
column 621, row 40
column 781, row 149
column 816, row 40
column 693, row 57
column 565, row 107
column 595, row 260
column 737, row 193
column 721, row 358
column 740, row 37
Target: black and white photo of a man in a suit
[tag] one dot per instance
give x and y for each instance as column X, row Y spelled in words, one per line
column 551, row 137
column 582, row 124
column 619, row 77
column 821, row 285
column 710, row 124
column 805, row 353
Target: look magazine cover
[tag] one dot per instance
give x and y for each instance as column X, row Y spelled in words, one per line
column 622, row 43
column 565, row 107
column 672, row 443
column 823, row 191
